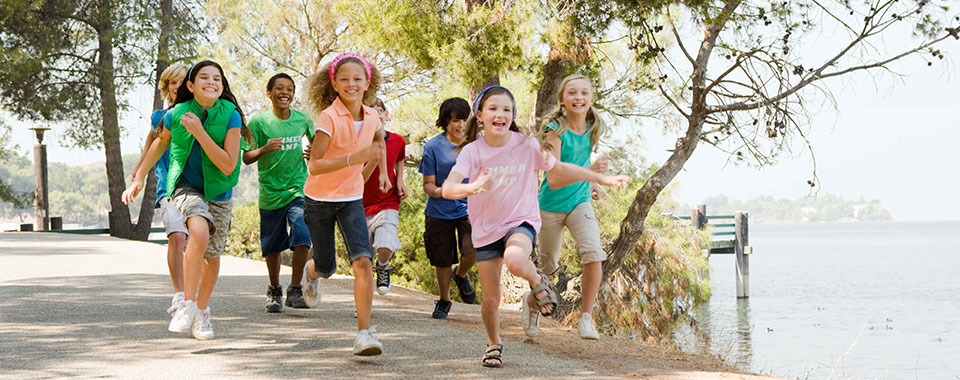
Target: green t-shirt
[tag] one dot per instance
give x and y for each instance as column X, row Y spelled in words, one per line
column 283, row 172
column 575, row 150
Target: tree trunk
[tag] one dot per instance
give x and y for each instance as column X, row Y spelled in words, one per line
column 163, row 48
column 119, row 215
column 553, row 72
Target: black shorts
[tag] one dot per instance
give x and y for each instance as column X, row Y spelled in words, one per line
column 441, row 237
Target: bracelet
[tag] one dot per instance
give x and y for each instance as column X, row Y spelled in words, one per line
column 348, row 159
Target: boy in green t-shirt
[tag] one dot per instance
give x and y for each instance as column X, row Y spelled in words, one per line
column 277, row 137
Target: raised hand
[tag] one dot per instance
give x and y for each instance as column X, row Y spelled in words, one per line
column 272, row 145
column 602, row 164
column 482, row 179
column 192, row 124
column 615, row 180
column 132, row 191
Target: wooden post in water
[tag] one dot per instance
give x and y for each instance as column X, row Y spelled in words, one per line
column 743, row 260
column 698, row 217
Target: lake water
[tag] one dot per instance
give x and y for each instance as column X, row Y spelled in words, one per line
column 840, row 301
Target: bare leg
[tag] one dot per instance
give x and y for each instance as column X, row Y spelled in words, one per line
column 193, row 255
column 299, row 258
column 467, row 261
column 208, row 279
column 176, row 242
column 592, row 272
column 443, row 281
column 517, row 258
column 273, row 268
column 490, row 304
column 363, row 291
column 384, row 255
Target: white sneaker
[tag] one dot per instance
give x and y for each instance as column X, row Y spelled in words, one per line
column 183, row 319
column 175, row 303
column 202, row 329
column 367, row 344
column 586, row 328
column 529, row 316
column 311, row 288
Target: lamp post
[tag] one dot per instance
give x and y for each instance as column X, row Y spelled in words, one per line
column 40, row 173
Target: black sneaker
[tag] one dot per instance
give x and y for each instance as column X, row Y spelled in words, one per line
column 295, row 297
column 467, row 294
column 442, row 309
column 274, row 299
column 383, row 278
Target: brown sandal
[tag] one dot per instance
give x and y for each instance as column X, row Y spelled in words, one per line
column 493, row 352
column 550, row 299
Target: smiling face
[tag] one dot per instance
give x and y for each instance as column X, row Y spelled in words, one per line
column 208, row 84
column 496, row 115
column 282, row 93
column 350, row 82
column 172, row 87
column 577, row 97
column 457, row 129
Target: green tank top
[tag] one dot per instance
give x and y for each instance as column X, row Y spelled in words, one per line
column 575, row 150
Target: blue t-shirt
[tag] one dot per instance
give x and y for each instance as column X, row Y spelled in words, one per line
column 163, row 165
column 439, row 156
column 192, row 174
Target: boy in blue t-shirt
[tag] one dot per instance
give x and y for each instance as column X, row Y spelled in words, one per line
column 446, row 224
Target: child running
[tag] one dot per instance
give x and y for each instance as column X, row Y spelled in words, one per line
column 446, row 225
column 173, row 224
column 276, row 148
column 347, row 138
column 502, row 202
column 203, row 131
column 572, row 131
column 382, row 209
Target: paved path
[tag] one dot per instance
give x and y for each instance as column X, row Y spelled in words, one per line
column 94, row 307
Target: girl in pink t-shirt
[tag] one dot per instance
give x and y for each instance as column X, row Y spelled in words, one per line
column 502, row 204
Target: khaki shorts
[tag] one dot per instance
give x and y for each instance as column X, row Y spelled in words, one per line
column 582, row 223
column 172, row 220
column 191, row 203
column 383, row 230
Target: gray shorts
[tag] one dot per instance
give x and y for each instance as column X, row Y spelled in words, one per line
column 191, row 203
column 172, row 219
column 383, row 230
column 582, row 223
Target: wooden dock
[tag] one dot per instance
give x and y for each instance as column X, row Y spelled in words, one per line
column 730, row 236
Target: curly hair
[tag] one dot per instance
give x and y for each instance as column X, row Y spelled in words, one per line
column 597, row 126
column 320, row 92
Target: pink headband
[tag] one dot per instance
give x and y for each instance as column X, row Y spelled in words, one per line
column 336, row 62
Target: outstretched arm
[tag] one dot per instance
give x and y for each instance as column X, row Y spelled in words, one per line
column 579, row 173
column 453, row 188
column 155, row 151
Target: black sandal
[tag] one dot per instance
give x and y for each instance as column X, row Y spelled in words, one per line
column 494, row 351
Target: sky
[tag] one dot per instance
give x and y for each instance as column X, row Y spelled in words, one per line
column 891, row 139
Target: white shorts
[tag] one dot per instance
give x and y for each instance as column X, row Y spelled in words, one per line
column 383, row 230
column 171, row 217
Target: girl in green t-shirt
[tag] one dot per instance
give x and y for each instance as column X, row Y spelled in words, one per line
column 571, row 134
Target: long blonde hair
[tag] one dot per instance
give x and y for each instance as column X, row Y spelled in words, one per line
column 178, row 70
column 597, row 126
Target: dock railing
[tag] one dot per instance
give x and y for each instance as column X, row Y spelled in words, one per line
column 730, row 236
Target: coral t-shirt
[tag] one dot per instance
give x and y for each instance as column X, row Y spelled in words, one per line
column 344, row 184
column 510, row 198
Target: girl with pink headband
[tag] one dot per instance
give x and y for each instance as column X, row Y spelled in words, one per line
column 348, row 136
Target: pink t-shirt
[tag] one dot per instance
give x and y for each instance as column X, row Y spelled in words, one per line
column 511, row 195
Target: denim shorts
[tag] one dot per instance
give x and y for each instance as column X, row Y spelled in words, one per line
column 349, row 216
column 495, row 250
column 274, row 236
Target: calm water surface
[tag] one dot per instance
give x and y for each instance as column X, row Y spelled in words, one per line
column 844, row 300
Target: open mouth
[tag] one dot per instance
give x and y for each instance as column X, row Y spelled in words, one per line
column 284, row 99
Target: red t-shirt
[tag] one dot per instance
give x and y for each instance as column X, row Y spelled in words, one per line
column 375, row 201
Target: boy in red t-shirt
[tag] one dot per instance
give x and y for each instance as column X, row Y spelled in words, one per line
column 382, row 209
